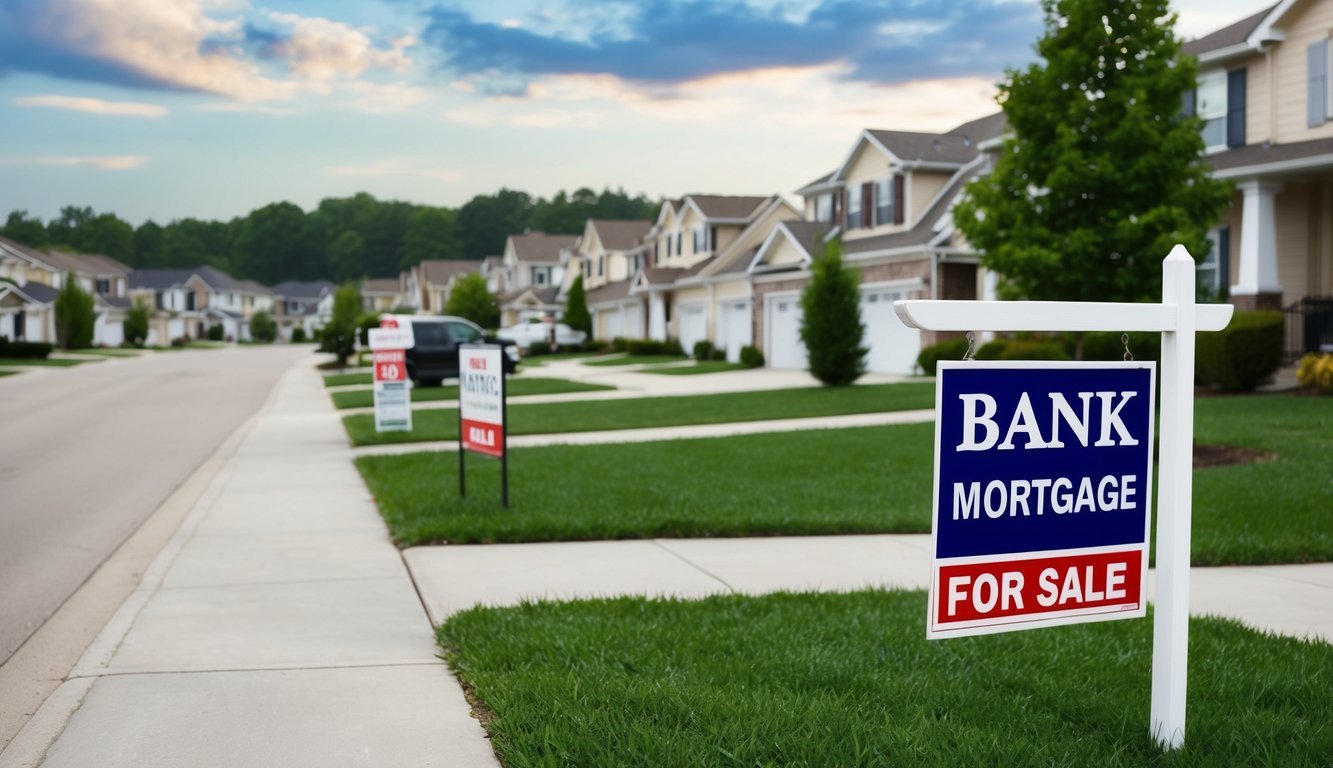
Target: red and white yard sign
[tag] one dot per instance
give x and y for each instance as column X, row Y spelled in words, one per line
column 481, row 399
column 393, row 402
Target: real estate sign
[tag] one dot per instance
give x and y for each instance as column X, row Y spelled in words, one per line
column 481, row 405
column 1043, row 486
column 393, row 398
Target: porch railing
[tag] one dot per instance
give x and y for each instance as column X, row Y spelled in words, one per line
column 1309, row 326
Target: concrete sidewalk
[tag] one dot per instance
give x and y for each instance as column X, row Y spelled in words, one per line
column 280, row 627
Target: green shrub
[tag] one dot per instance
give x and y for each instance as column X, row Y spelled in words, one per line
column 993, row 349
column 751, row 357
column 364, row 322
column 298, row 335
column 831, row 327
column 593, row 345
column 1106, row 345
column 703, row 350
column 950, row 349
column 75, row 316
column 263, row 328
column 136, row 325
column 1316, row 372
column 215, row 332
column 27, row 350
column 1033, row 350
column 1243, row 355
column 539, row 348
column 652, row 347
column 620, row 344
column 339, row 335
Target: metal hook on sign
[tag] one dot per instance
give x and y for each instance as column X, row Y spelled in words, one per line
column 971, row 353
column 1124, row 339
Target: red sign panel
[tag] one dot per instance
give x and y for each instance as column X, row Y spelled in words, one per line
column 390, row 364
column 482, row 437
column 1101, row 582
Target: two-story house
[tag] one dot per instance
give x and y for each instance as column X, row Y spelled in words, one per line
column 608, row 255
column 28, row 289
column 302, row 304
column 1265, row 94
column 107, row 281
column 532, row 276
column 187, row 302
column 430, row 282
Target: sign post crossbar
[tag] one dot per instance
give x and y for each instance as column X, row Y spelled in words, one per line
column 1177, row 318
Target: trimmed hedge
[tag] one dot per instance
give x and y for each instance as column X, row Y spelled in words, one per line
column 27, row 350
column 650, row 347
column 751, row 357
column 1243, row 355
column 1106, row 345
column 951, row 349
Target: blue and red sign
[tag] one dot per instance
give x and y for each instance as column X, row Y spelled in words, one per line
column 1043, row 492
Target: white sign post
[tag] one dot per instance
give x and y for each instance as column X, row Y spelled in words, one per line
column 1177, row 318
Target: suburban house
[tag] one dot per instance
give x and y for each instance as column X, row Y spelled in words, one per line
column 430, row 283
column 28, row 289
column 890, row 201
column 383, row 294
column 107, row 281
column 609, row 253
column 1265, row 94
column 532, row 275
column 302, row 304
column 688, row 234
column 187, row 302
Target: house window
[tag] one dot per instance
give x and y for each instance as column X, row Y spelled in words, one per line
column 103, row 286
column 854, row 207
column 1210, row 272
column 601, row 265
column 1212, row 106
column 701, row 239
column 884, row 201
column 824, row 209
column 1319, row 94
column 538, row 276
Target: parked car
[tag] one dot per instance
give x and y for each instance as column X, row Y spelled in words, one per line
column 434, row 357
column 524, row 334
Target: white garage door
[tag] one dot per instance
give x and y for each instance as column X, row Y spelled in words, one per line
column 893, row 346
column 785, row 349
column 633, row 323
column 107, row 332
column 615, row 324
column 734, row 332
column 693, row 326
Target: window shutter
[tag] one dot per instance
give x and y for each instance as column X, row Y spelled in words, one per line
column 1236, row 108
column 899, row 185
column 839, row 205
column 1187, row 100
column 1223, row 261
column 1316, row 98
column 868, row 204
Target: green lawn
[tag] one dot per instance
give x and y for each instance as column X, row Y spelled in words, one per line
column 8, row 373
column 850, row 680
column 707, row 366
column 534, row 419
column 110, row 352
column 638, row 360
column 1274, row 512
column 516, row 388
column 49, row 362
column 347, row 379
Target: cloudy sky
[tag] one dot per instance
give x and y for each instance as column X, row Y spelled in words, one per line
column 209, row 108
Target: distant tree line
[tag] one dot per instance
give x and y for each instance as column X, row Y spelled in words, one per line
column 341, row 239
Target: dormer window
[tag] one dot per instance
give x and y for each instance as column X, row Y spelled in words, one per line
column 701, row 239
column 884, row 201
column 824, row 209
column 854, row 207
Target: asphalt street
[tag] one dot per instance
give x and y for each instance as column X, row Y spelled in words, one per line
column 88, row 453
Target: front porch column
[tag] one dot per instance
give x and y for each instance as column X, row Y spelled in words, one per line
column 657, row 324
column 1257, row 285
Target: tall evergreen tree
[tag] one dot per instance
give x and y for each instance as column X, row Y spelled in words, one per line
column 471, row 299
column 831, row 326
column 576, row 308
column 75, row 316
column 1101, row 176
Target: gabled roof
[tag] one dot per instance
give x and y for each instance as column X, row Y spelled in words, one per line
column 924, row 231
column 86, row 263
column 381, row 285
column 823, row 182
column 441, row 271
column 910, row 146
column 649, row 277
column 732, row 207
column 1227, row 37
column 37, row 293
column 296, row 289
column 159, row 279
column 620, row 234
column 543, row 296
column 217, row 279
column 983, row 128
column 541, row 247
column 117, row 302
column 616, row 291
column 807, row 236
column 250, row 286
column 24, row 253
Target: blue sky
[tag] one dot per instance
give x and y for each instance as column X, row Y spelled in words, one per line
column 165, row 109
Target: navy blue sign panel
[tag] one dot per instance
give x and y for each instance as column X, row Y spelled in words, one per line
column 1039, row 456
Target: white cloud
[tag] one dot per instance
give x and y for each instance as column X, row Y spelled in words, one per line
column 322, row 50
column 105, row 163
column 94, row 106
column 382, row 98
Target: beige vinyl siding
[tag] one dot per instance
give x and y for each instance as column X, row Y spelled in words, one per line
column 1307, row 23
column 1321, row 239
column 1258, row 101
column 1293, row 240
column 739, row 288
column 783, row 252
column 922, row 188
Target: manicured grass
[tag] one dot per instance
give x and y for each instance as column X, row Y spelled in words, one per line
column 110, row 352
column 533, row 419
column 638, row 360
column 347, row 379
column 1273, row 512
column 48, row 362
column 515, row 388
column 850, row 680
column 738, row 486
column 8, row 373
column 707, row 366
